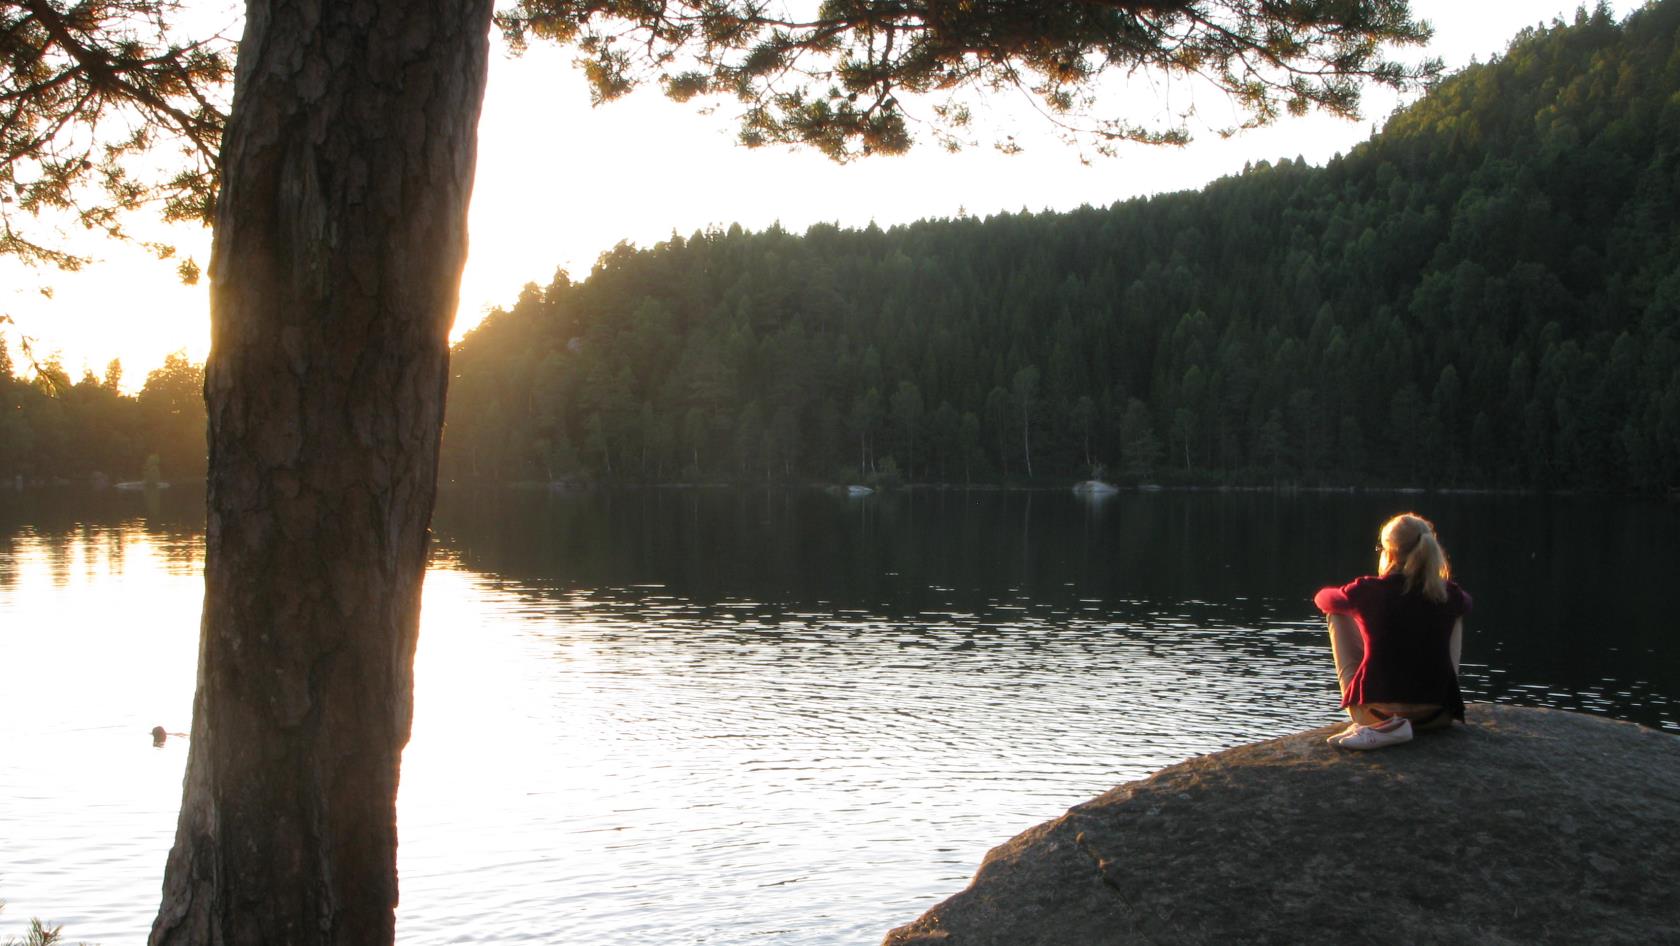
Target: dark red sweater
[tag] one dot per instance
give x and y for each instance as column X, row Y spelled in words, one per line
column 1407, row 655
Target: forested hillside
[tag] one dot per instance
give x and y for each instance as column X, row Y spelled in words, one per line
column 1485, row 294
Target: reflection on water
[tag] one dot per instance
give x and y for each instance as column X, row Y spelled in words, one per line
column 715, row 717
column 98, row 642
column 1571, row 604
column 668, row 772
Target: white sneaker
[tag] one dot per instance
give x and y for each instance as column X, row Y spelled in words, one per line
column 1376, row 737
column 1341, row 734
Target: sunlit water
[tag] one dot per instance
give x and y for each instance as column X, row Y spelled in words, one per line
column 603, row 757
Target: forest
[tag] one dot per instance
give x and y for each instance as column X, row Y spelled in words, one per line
column 1486, row 294
column 53, row 429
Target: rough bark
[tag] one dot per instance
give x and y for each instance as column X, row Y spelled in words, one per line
column 340, row 235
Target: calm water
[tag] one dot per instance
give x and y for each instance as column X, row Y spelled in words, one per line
column 715, row 717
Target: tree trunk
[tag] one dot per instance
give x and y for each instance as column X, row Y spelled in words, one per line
column 340, row 236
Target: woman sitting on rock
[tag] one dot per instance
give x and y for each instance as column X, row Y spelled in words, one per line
column 1396, row 637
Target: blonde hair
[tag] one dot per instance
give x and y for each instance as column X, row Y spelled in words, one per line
column 1409, row 544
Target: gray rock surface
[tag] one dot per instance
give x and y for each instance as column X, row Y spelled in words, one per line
column 1525, row 826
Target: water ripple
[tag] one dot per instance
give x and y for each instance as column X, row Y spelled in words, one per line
column 625, row 763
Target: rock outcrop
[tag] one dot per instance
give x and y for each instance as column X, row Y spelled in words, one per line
column 1525, row 826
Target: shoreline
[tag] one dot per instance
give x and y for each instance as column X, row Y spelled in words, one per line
column 1060, row 487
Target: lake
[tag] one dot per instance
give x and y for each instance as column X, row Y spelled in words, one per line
column 704, row 716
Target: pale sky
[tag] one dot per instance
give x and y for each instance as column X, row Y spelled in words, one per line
column 559, row 183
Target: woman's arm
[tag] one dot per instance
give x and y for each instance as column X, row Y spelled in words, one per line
column 1333, row 600
column 1455, row 643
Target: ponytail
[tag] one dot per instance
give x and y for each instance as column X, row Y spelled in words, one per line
column 1429, row 562
column 1409, row 544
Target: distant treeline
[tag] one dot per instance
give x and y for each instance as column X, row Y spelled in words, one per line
column 1485, row 294
column 53, row 429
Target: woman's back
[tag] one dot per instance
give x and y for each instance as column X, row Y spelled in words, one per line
column 1407, row 638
